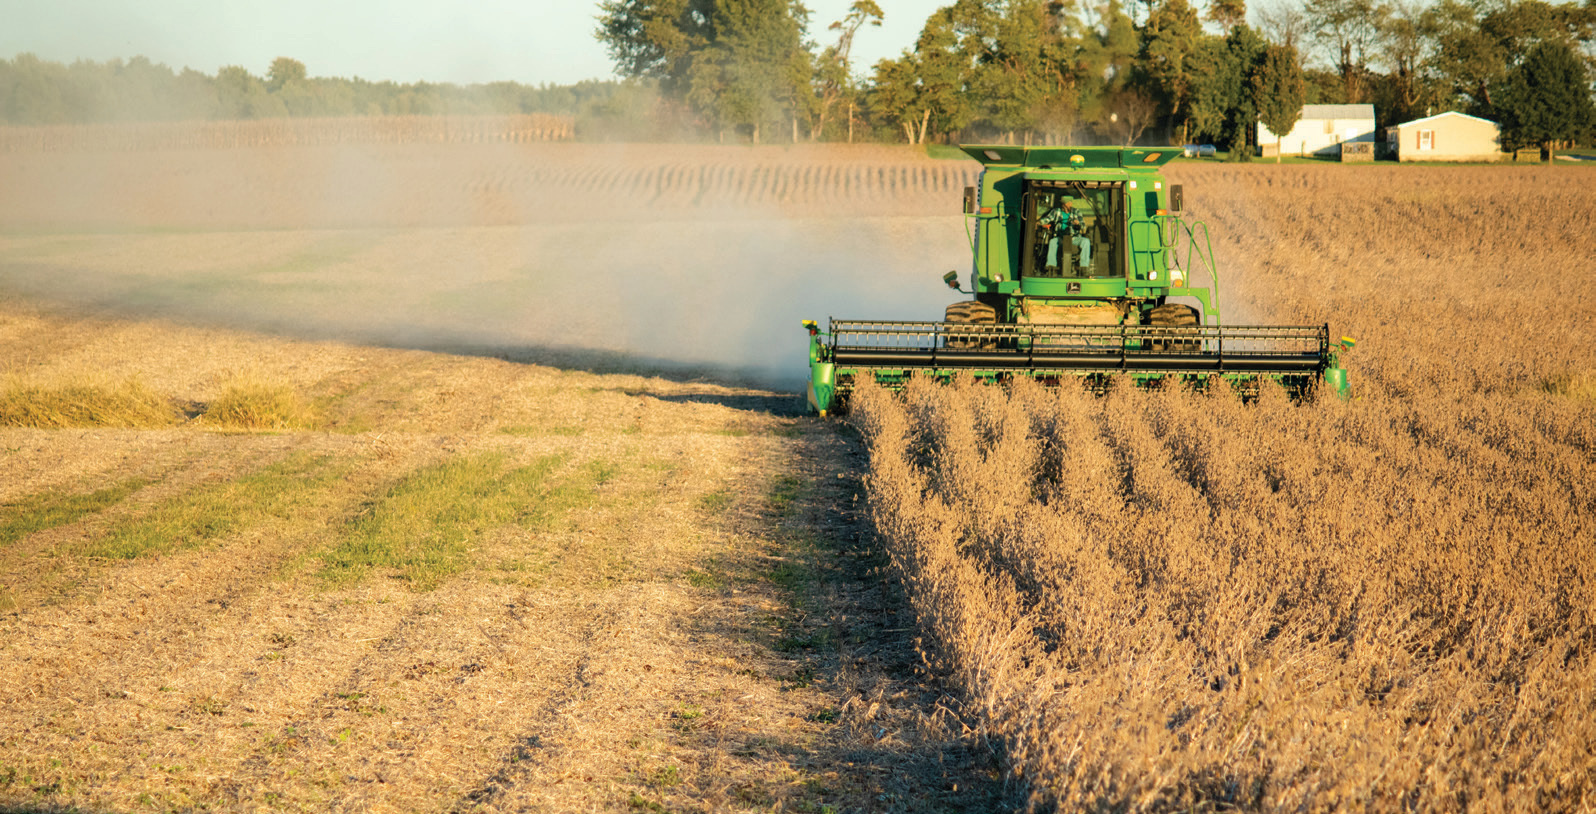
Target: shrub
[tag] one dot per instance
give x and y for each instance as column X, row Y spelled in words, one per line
column 255, row 404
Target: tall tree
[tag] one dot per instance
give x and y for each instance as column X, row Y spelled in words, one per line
column 1105, row 59
column 1168, row 39
column 1469, row 61
column 282, row 71
column 1547, row 99
column 1130, row 113
column 736, row 63
column 31, row 91
column 1227, row 13
column 1222, row 106
column 1284, row 23
column 1406, row 90
column 1213, row 89
column 1013, row 73
column 1477, row 47
column 1247, row 51
column 1349, row 29
column 764, row 64
column 1058, row 109
column 1278, row 90
column 894, row 98
column 834, row 68
column 945, row 55
column 656, row 39
column 242, row 95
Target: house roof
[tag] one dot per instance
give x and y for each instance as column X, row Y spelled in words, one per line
column 1338, row 111
column 1443, row 115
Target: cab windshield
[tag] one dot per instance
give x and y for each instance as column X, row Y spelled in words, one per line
column 1070, row 229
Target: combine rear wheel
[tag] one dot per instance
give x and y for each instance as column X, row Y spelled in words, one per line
column 1174, row 315
column 970, row 312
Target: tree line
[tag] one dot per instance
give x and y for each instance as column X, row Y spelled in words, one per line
column 1114, row 71
column 1024, row 71
column 34, row 91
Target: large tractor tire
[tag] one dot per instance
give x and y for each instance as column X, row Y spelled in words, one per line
column 1174, row 315
column 971, row 312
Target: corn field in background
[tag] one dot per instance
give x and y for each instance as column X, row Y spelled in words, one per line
column 1170, row 600
column 518, row 129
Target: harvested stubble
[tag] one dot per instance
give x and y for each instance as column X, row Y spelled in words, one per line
column 1161, row 603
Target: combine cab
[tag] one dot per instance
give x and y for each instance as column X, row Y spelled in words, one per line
column 1080, row 254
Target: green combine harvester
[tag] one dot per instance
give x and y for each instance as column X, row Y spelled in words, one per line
column 1080, row 253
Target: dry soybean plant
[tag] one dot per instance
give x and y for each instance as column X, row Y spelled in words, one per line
column 1161, row 603
column 1172, row 600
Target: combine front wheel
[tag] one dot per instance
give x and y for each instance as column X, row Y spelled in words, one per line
column 970, row 312
column 1174, row 315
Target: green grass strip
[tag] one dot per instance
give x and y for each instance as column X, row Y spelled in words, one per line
column 425, row 526
column 128, row 404
column 34, row 513
column 213, row 511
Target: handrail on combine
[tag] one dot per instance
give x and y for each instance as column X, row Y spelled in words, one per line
column 1169, row 236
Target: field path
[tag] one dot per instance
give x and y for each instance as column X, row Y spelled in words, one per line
column 687, row 616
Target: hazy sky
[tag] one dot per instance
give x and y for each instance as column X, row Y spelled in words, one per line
column 532, row 41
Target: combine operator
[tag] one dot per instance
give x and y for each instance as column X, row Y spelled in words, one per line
column 1059, row 221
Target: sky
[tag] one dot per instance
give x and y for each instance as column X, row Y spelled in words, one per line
column 529, row 41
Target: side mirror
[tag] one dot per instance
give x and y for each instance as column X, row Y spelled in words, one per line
column 1176, row 198
column 969, row 200
column 952, row 279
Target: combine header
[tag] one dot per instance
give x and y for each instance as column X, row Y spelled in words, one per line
column 1079, row 252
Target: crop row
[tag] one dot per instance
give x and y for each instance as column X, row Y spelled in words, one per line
column 1171, row 600
column 692, row 184
column 1167, row 599
column 519, row 129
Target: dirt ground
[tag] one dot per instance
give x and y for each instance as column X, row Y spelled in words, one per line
column 688, row 616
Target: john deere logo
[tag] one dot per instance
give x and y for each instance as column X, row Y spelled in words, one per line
column 1072, row 288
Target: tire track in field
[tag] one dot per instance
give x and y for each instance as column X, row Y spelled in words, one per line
column 426, row 711
column 683, row 683
column 528, row 755
column 174, row 638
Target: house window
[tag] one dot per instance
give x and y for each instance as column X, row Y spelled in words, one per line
column 1329, row 126
column 1426, row 139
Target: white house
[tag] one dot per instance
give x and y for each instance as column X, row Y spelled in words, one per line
column 1320, row 130
column 1449, row 136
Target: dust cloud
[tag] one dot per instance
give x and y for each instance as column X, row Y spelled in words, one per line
column 679, row 260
